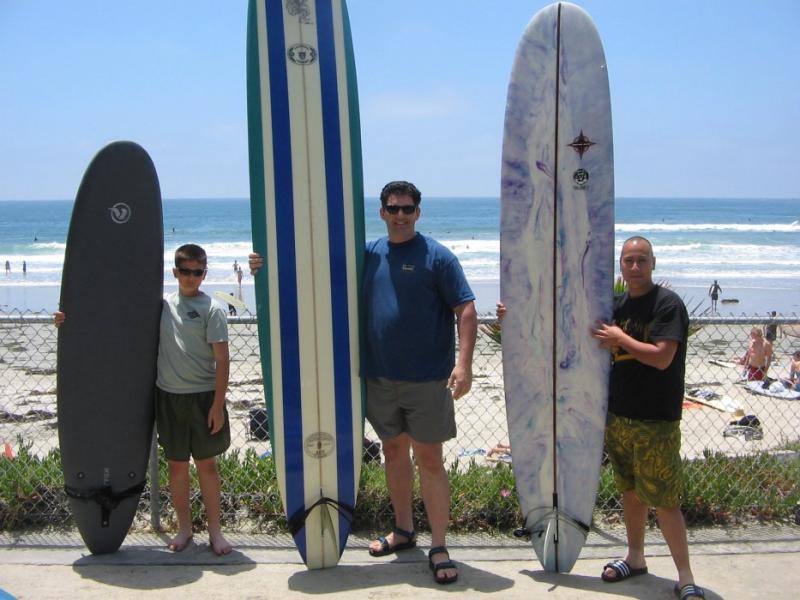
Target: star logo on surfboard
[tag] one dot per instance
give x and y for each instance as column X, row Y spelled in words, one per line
column 581, row 144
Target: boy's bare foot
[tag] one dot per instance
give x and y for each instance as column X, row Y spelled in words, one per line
column 179, row 542
column 219, row 544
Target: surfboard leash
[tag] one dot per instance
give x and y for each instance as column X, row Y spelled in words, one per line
column 105, row 497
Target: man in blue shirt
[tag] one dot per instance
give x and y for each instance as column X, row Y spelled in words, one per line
column 414, row 291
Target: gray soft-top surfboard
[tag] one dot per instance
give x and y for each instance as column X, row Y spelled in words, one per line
column 111, row 293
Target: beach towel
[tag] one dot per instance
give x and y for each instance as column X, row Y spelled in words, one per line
column 776, row 389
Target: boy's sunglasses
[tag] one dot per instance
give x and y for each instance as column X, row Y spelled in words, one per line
column 393, row 209
column 195, row 272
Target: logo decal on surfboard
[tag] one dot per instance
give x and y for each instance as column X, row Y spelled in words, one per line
column 299, row 9
column 581, row 178
column 319, row 444
column 301, row 54
column 120, row 213
column 581, row 144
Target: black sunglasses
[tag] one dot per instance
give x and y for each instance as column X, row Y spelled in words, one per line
column 393, row 209
column 195, row 272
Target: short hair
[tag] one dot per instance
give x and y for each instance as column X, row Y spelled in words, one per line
column 190, row 252
column 400, row 188
column 639, row 238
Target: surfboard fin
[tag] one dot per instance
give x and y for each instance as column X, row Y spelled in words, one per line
column 557, row 539
column 298, row 520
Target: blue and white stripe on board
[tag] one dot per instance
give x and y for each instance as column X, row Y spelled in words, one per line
column 307, row 207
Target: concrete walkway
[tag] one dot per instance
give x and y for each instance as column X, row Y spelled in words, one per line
column 739, row 563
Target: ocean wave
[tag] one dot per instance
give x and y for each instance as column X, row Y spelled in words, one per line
column 738, row 227
column 733, row 274
column 728, row 261
column 468, row 246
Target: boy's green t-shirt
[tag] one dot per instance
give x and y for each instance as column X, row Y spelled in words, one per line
column 189, row 325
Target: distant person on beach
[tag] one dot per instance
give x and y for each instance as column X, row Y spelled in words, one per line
column 793, row 381
column 758, row 357
column 8, row 267
column 771, row 329
column 193, row 370
column 414, row 289
column 24, row 268
column 647, row 340
column 714, row 292
column 235, row 266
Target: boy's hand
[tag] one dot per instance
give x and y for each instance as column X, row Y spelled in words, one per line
column 255, row 261
column 59, row 318
column 500, row 311
column 216, row 418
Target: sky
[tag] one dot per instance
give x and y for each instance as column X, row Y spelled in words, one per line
column 705, row 94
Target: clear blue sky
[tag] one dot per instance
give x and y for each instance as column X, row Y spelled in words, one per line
column 705, row 93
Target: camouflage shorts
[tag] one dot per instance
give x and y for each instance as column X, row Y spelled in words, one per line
column 646, row 458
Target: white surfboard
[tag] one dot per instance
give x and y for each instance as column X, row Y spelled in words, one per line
column 226, row 298
column 307, row 207
column 557, row 265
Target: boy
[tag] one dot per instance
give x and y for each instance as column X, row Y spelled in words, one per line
column 193, row 369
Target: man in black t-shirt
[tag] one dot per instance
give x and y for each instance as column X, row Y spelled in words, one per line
column 647, row 341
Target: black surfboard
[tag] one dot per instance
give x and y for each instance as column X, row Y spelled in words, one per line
column 111, row 293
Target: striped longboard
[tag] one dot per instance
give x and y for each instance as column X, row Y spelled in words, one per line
column 308, row 222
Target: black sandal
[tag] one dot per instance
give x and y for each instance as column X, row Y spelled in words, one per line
column 387, row 549
column 446, row 564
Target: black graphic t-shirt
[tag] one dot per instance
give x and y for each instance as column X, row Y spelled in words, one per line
column 639, row 391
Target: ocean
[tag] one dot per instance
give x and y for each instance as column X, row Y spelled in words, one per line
column 750, row 246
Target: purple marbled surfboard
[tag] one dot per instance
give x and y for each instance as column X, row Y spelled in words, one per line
column 557, row 266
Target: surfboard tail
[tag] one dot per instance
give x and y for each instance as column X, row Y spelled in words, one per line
column 557, row 539
column 328, row 523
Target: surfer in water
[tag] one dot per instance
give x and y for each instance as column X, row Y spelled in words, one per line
column 714, row 291
column 414, row 290
column 647, row 341
column 191, row 418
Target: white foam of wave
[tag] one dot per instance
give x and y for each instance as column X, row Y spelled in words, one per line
column 467, row 246
column 721, row 275
column 727, row 260
column 741, row 227
column 49, row 246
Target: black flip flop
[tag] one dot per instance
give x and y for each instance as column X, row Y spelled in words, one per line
column 622, row 569
column 688, row 591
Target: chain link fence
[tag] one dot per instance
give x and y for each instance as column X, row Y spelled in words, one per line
column 740, row 439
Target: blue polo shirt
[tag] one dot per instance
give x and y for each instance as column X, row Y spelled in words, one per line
column 410, row 291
